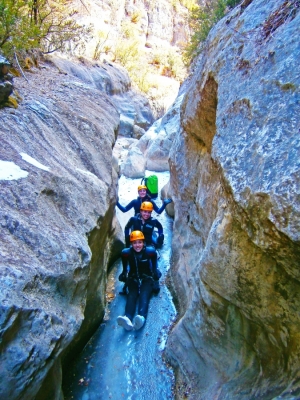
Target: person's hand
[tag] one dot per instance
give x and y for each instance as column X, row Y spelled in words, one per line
column 160, row 239
column 167, row 201
column 156, row 274
column 122, row 277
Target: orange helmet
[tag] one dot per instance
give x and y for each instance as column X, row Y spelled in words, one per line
column 147, row 206
column 140, row 187
column 136, row 235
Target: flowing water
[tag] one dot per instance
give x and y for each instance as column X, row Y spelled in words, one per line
column 117, row 364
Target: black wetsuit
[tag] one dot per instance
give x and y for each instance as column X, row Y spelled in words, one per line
column 140, row 273
column 136, row 204
column 135, row 224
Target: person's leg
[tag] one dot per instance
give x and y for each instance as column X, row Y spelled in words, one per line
column 144, row 299
column 133, row 292
column 145, row 295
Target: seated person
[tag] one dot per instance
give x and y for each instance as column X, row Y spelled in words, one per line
column 143, row 196
column 145, row 223
column 140, row 273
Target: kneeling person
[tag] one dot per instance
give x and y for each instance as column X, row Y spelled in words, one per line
column 140, row 273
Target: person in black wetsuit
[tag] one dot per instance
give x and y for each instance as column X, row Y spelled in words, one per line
column 143, row 196
column 145, row 223
column 139, row 272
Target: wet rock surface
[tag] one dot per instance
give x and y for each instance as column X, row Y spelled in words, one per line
column 234, row 166
column 118, row 364
column 57, row 223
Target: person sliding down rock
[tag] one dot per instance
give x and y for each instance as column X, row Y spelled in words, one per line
column 145, row 223
column 143, row 196
column 139, row 272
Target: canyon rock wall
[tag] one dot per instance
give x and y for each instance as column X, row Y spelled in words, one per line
column 147, row 37
column 161, row 23
column 58, row 228
column 235, row 182
column 134, row 109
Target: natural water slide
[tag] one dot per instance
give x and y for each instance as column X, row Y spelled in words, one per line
column 117, row 364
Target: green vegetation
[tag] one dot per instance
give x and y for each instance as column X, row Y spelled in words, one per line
column 16, row 26
column 47, row 24
column 202, row 19
column 102, row 46
column 51, row 25
column 169, row 62
column 189, row 4
column 129, row 51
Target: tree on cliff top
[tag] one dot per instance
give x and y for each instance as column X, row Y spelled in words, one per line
column 47, row 24
column 201, row 20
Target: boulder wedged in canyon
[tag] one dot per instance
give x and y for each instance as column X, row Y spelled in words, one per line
column 156, row 143
column 135, row 111
column 234, row 167
column 58, row 228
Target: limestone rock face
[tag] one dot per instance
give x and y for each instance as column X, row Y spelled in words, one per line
column 235, row 183
column 157, row 141
column 121, row 149
column 160, row 22
column 147, row 37
column 134, row 109
column 134, row 165
column 57, row 224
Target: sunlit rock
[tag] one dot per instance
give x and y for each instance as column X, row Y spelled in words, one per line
column 166, row 194
column 134, row 109
column 156, row 143
column 138, row 132
column 134, row 165
column 235, row 182
column 58, row 228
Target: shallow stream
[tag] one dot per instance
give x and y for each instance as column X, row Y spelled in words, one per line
column 117, row 364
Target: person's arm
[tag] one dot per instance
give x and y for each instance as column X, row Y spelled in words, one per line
column 126, row 208
column 152, row 255
column 159, row 227
column 125, row 261
column 160, row 231
column 161, row 209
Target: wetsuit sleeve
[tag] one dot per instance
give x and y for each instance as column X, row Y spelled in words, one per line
column 126, row 208
column 125, row 262
column 159, row 227
column 157, row 209
column 152, row 255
